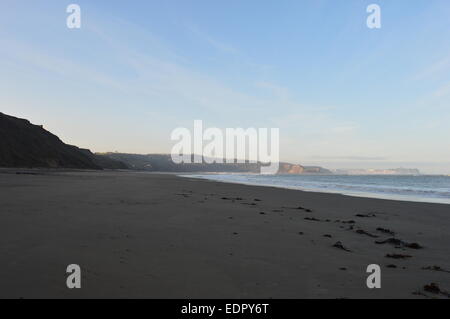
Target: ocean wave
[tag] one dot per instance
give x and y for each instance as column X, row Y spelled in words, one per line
column 414, row 188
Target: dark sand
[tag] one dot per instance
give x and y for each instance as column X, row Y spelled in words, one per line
column 161, row 236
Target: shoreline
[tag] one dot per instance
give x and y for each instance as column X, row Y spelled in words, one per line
column 138, row 235
column 367, row 195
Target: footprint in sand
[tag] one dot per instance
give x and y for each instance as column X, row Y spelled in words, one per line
column 313, row 219
column 435, row 268
column 436, row 290
column 386, row 231
column 398, row 256
column 339, row 245
column 391, row 266
column 363, row 232
column 399, row 243
column 366, row 215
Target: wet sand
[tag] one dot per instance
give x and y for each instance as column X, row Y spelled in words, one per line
column 141, row 235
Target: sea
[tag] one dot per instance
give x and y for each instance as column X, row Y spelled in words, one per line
column 420, row 188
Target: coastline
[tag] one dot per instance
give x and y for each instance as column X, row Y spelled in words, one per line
column 163, row 236
column 394, row 197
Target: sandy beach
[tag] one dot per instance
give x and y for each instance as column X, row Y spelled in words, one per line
column 142, row 235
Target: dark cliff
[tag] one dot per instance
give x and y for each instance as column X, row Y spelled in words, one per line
column 23, row 144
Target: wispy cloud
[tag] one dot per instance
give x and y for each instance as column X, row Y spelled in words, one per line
column 212, row 41
column 438, row 67
column 29, row 55
column 442, row 91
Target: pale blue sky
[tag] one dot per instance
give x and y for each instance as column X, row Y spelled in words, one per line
column 342, row 95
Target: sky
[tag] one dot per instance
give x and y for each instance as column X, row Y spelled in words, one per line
column 342, row 95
